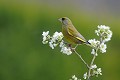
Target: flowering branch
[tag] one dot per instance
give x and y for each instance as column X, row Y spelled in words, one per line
column 93, row 59
column 105, row 35
column 103, row 32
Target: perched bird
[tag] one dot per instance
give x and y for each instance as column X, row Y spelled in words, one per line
column 70, row 33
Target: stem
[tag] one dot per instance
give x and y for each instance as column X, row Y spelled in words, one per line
column 82, row 59
column 93, row 59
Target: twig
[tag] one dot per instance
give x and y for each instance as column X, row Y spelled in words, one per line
column 81, row 59
column 93, row 59
column 89, row 71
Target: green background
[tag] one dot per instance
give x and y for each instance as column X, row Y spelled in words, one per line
column 24, row 57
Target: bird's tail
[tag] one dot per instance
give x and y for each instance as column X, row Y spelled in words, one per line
column 88, row 43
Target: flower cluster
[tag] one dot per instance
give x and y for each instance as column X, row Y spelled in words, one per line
column 105, row 35
column 46, row 37
column 94, row 43
column 74, row 78
column 93, row 66
column 85, row 76
column 96, row 71
column 56, row 40
column 103, row 47
column 65, row 49
column 104, row 32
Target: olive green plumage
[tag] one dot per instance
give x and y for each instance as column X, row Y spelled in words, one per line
column 70, row 33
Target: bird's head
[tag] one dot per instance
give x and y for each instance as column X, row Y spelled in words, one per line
column 65, row 21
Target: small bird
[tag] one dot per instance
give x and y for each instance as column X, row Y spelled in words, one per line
column 70, row 33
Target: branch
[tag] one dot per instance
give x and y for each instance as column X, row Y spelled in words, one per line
column 89, row 71
column 81, row 59
column 93, row 59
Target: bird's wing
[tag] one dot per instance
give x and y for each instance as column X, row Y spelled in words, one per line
column 73, row 32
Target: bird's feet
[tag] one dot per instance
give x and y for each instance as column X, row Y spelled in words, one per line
column 72, row 49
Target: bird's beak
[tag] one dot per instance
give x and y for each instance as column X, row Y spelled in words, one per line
column 60, row 19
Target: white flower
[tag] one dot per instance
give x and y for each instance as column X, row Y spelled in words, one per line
column 51, row 45
column 62, row 43
column 101, row 29
column 104, row 32
column 44, row 42
column 93, row 51
column 66, row 50
column 45, row 34
column 103, row 47
column 108, row 36
column 55, row 39
column 94, row 43
column 85, row 75
column 57, row 36
column 74, row 78
column 93, row 66
column 46, row 37
column 97, row 72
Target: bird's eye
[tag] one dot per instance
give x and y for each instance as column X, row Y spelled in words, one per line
column 63, row 19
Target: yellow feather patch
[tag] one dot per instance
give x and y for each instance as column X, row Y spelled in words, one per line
column 80, row 39
column 76, row 37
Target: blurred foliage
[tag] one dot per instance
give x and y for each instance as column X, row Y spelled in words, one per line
column 24, row 57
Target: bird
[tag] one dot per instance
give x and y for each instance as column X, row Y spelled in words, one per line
column 70, row 33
